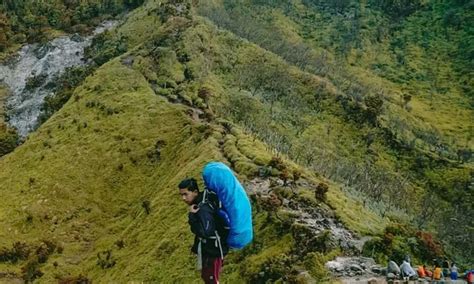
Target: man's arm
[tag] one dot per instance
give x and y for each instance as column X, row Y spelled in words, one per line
column 202, row 222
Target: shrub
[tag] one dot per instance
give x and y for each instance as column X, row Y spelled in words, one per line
column 374, row 108
column 30, row 271
column 429, row 247
column 315, row 263
column 277, row 163
column 147, row 206
column 296, row 175
column 204, row 93
column 105, row 47
column 272, row 270
column 35, row 81
column 8, row 139
column 320, row 193
column 120, row 244
column 19, row 251
column 285, row 176
column 105, row 259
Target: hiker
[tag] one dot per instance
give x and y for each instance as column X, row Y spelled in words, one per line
column 454, row 272
column 445, row 267
column 421, row 271
column 428, row 273
column 210, row 233
column 469, row 276
column 406, row 269
column 437, row 272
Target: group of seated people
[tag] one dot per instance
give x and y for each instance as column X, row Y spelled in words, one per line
column 406, row 271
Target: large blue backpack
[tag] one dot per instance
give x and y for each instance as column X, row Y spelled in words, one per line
column 220, row 179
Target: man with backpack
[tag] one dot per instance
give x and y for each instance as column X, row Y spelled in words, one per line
column 210, row 230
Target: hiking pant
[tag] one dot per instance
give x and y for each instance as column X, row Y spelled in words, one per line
column 454, row 275
column 211, row 269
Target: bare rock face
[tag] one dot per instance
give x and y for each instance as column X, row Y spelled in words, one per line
column 316, row 221
column 354, row 266
column 30, row 75
column 315, row 227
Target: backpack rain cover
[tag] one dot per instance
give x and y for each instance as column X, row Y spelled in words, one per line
column 220, row 179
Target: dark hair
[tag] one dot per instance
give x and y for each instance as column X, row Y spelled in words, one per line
column 190, row 184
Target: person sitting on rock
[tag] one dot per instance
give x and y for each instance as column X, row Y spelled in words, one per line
column 437, row 273
column 429, row 273
column 421, row 272
column 406, row 269
column 454, row 272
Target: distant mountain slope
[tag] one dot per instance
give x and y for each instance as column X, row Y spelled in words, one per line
column 400, row 127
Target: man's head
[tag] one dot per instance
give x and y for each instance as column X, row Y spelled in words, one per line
column 189, row 190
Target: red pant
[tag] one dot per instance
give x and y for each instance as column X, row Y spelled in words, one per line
column 211, row 268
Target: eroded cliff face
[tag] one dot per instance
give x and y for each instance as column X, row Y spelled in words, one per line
column 30, row 75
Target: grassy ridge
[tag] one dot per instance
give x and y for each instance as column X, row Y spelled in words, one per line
column 85, row 179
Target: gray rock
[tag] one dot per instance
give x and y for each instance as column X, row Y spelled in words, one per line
column 376, row 269
column 334, row 266
column 393, row 267
column 355, row 267
column 76, row 37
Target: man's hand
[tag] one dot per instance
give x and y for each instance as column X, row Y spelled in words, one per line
column 193, row 208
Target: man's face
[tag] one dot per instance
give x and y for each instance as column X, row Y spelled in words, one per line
column 187, row 195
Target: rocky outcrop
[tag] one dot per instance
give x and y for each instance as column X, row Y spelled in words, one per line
column 355, row 266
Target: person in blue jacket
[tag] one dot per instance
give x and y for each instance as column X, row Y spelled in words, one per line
column 209, row 229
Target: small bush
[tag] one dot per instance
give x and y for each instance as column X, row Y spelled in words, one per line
column 8, row 139
column 35, row 81
column 147, row 206
column 204, row 93
column 277, row 163
column 320, row 193
column 285, row 176
column 272, row 270
column 30, row 271
column 19, row 251
column 296, row 175
column 44, row 250
column 120, row 244
column 429, row 247
column 105, row 259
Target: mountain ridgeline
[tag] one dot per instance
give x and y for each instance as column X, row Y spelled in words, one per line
column 344, row 120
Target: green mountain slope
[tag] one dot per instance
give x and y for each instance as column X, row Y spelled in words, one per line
column 399, row 129
column 93, row 191
column 100, row 175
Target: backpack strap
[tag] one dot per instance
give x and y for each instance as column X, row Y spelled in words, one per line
column 206, row 200
column 219, row 244
column 204, row 196
column 199, row 256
